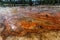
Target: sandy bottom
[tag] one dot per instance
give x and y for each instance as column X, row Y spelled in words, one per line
column 51, row 35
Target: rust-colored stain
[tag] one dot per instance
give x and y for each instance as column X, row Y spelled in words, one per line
column 34, row 23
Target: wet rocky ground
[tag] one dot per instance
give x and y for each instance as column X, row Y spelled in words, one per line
column 47, row 35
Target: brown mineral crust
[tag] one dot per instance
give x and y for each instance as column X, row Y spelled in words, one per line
column 46, row 20
column 38, row 21
column 49, row 17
